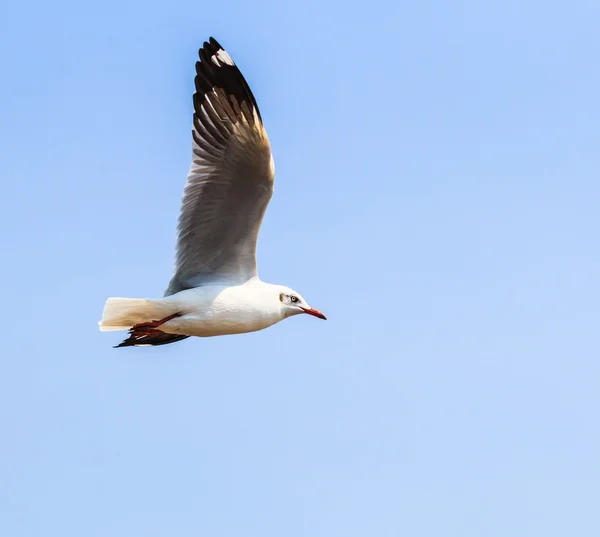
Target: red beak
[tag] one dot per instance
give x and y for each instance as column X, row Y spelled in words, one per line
column 315, row 313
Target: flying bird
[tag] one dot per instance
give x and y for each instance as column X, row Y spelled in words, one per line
column 215, row 289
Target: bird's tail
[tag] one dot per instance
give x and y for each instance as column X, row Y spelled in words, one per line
column 142, row 317
column 123, row 313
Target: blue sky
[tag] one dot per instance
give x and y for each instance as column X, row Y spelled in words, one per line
column 437, row 197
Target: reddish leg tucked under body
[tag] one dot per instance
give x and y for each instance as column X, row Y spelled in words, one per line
column 148, row 333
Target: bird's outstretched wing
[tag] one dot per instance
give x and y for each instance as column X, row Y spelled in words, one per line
column 230, row 181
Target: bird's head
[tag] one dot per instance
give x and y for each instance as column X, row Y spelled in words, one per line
column 293, row 304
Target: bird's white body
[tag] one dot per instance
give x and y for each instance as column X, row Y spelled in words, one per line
column 211, row 310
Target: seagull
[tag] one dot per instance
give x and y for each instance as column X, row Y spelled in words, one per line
column 215, row 289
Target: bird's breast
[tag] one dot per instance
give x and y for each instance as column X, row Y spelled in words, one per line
column 223, row 312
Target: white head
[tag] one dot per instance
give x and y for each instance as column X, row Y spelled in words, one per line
column 292, row 303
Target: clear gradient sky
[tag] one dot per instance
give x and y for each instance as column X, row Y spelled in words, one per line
column 437, row 196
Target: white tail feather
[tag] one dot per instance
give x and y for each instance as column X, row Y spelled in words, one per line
column 123, row 313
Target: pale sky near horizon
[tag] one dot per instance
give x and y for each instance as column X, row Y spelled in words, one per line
column 437, row 197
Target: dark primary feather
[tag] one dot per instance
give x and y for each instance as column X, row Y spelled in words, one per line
column 155, row 339
column 227, row 77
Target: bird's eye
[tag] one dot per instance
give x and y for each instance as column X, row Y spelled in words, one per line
column 294, row 298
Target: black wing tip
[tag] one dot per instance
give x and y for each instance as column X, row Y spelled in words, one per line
column 214, row 43
column 154, row 340
column 216, row 69
column 210, row 47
